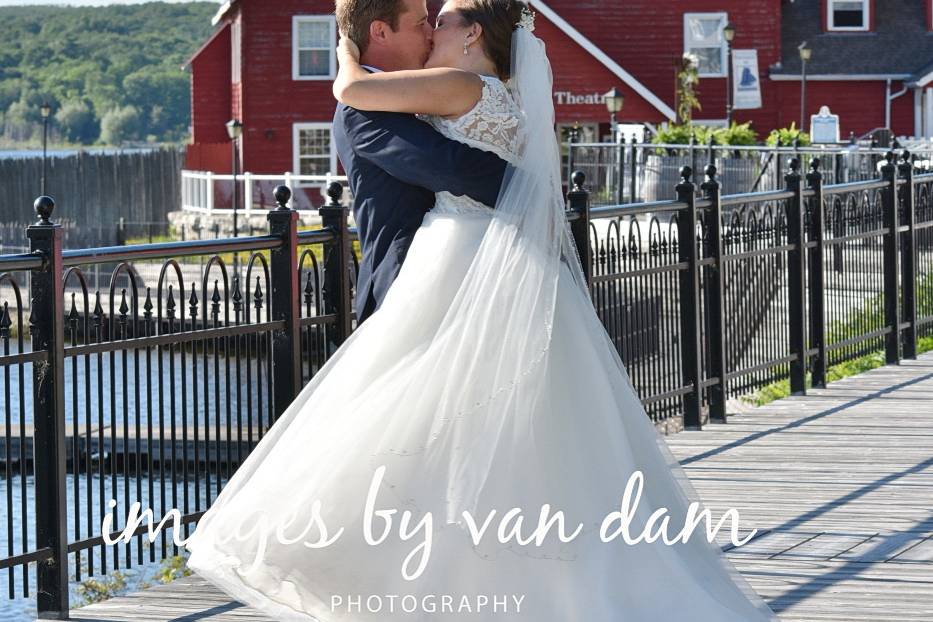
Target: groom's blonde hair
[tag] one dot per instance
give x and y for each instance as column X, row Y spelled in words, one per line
column 355, row 16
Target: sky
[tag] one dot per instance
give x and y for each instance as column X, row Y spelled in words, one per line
column 84, row 2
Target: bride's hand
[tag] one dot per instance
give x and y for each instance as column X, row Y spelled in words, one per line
column 347, row 50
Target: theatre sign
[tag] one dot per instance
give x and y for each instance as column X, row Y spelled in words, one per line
column 567, row 98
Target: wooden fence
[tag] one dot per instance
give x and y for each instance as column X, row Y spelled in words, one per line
column 97, row 189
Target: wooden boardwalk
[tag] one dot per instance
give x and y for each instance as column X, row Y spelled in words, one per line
column 839, row 484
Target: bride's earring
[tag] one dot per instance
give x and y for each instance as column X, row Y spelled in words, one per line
column 466, row 48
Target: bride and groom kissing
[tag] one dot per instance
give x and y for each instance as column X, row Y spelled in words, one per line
column 479, row 376
column 395, row 162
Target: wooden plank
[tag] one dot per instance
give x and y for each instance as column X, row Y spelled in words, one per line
column 839, row 484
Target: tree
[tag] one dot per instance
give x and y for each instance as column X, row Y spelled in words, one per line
column 19, row 122
column 688, row 77
column 77, row 122
column 120, row 125
column 106, row 57
column 163, row 97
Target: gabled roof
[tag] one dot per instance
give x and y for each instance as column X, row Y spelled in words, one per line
column 207, row 44
column 898, row 47
column 922, row 77
column 552, row 16
column 222, row 11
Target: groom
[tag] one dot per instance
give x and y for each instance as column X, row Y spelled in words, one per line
column 395, row 162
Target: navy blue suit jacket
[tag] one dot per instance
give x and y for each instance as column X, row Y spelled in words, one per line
column 395, row 164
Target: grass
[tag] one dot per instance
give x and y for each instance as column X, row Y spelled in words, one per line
column 781, row 389
column 98, row 589
column 864, row 320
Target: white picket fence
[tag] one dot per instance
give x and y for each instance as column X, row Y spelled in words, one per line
column 211, row 193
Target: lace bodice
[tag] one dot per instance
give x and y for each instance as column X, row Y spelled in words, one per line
column 494, row 124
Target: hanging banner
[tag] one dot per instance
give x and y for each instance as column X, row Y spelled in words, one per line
column 746, row 87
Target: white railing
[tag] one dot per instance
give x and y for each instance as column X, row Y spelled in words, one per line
column 210, row 193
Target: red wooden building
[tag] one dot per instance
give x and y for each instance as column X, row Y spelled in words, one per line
column 270, row 64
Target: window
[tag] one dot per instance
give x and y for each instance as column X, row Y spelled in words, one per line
column 314, row 44
column 314, row 151
column 848, row 14
column 703, row 37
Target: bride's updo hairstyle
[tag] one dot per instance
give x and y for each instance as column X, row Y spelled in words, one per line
column 498, row 19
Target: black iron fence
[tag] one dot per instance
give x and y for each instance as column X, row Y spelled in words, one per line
column 155, row 387
column 631, row 172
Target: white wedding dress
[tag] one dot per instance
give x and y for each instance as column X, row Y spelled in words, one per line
column 573, row 446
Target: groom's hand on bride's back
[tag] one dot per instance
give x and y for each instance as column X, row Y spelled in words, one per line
column 411, row 150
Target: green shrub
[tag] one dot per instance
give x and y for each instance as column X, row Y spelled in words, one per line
column 785, row 137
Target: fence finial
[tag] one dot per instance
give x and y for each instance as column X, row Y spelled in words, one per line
column 283, row 195
column 686, row 173
column 815, row 164
column 578, row 178
column 906, row 165
column 44, row 207
column 335, row 192
column 711, row 172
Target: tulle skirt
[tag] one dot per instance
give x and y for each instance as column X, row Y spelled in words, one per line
column 587, row 435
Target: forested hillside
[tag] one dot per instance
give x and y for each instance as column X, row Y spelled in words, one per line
column 112, row 74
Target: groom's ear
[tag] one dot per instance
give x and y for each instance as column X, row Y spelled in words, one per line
column 379, row 31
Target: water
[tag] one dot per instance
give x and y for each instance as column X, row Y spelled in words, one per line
column 153, row 393
column 61, row 153
column 107, row 400
column 22, row 609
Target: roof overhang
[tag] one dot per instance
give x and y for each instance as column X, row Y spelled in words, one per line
column 222, row 11
column 921, row 80
column 603, row 58
column 840, row 77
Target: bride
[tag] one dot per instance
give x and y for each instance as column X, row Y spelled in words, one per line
column 484, row 393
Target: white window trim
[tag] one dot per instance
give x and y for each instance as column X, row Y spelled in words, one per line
column 296, row 145
column 332, row 22
column 866, row 12
column 723, row 48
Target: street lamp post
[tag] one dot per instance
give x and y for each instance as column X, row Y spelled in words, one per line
column 729, row 34
column 234, row 131
column 805, row 54
column 614, row 102
column 46, row 111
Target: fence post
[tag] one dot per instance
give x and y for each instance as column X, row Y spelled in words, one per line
column 337, row 264
column 209, row 189
column 892, row 256
column 816, row 280
column 47, row 327
column 796, row 281
column 284, row 298
column 715, row 318
column 909, row 257
column 571, row 139
column 578, row 201
column 248, row 195
column 691, row 364
column 621, row 188
column 633, row 170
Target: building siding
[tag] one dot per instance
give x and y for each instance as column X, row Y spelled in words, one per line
column 645, row 37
